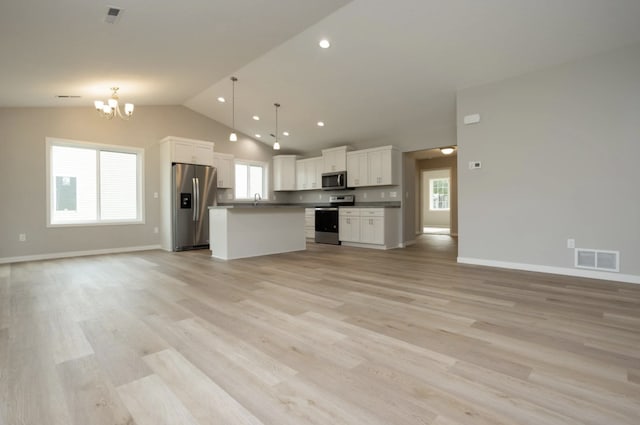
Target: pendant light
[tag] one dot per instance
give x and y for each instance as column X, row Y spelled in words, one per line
column 233, row 137
column 276, row 145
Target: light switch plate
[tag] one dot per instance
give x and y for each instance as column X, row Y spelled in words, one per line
column 473, row 165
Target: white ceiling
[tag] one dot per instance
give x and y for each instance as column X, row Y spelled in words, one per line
column 389, row 77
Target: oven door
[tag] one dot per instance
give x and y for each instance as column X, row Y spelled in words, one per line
column 327, row 225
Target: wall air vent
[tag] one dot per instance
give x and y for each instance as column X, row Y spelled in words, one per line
column 113, row 15
column 596, row 259
column 68, row 96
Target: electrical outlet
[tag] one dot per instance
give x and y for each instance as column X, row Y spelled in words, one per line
column 571, row 243
column 320, row 196
column 155, row 195
column 229, row 196
column 393, row 194
column 275, row 198
column 301, row 197
column 22, row 237
column 156, row 230
column 407, row 195
column 364, row 195
column 382, row 195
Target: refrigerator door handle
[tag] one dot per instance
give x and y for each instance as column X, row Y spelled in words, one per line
column 198, row 198
column 194, row 188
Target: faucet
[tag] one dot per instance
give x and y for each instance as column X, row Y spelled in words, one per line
column 256, row 198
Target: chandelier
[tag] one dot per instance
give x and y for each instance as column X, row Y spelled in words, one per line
column 111, row 108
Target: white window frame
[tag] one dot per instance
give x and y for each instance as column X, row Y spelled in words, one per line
column 265, row 177
column 431, row 183
column 139, row 152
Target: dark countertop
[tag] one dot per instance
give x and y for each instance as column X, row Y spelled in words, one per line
column 390, row 204
column 395, row 204
column 259, row 205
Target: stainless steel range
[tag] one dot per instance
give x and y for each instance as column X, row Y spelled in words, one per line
column 327, row 219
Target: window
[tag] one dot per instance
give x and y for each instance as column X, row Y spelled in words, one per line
column 439, row 194
column 93, row 184
column 251, row 178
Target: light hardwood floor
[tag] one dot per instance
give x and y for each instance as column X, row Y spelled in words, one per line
column 333, row 335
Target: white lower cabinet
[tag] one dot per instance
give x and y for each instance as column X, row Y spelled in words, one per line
column 349, row 228
column 370, row 227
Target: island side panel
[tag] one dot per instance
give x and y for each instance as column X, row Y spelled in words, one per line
column 250, row 232
column 218, row 233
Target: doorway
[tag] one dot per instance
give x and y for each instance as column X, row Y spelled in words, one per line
column 435, row 201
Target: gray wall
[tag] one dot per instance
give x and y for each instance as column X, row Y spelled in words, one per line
column 559, row 151
column 22, row 171
column 433, row 218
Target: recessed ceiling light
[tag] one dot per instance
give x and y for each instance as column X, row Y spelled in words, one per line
column 324, row 43
column 285, row 133
column 258, row 135
column 320, row 124
column 221, row 99
column 255, row 117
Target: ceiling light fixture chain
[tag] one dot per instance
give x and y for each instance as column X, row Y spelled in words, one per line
column 111, row 107
column 233, row 137
column 276, row 145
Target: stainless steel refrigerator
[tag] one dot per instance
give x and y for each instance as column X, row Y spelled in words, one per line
column 194, row 190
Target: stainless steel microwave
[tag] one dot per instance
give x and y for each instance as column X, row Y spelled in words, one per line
column 334, row 181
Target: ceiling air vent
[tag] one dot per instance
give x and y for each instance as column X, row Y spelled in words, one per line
column 598, row 260
column 113, row 15
column 68, row 96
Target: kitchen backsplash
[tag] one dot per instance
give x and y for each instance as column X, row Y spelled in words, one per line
column 378, row 194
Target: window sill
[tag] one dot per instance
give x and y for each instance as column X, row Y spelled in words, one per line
column 96, row 223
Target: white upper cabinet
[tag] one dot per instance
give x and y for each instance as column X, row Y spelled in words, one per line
column 309, row 173
column 380, row 167
column 226, row 170
column 334, row 159
column 284, row 172
column 301, row 175
column 357, row 169
column 373, row 167
column 190, row 151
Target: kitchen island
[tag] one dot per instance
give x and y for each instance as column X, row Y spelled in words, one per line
column 248, row 230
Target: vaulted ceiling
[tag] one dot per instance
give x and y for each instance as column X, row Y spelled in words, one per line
column 390, row 75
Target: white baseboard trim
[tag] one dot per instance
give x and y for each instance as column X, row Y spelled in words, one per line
column 367, row 245
column 55, row 255
column 627, row 278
